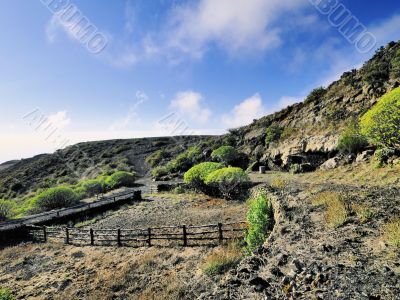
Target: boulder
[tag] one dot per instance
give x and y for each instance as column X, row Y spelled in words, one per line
column 330, row 164
column 364, row 156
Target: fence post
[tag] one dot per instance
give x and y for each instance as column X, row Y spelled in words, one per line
column 184, row 236
column 221, row 233
column 149, row 237
column 115, row 199
column 44, row 234
column 119, row 237
column 66, row 235
column 91, row 237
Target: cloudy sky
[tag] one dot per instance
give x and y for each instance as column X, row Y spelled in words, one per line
column 165, row 67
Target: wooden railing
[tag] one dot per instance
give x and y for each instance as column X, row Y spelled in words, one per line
column 65, row 212
column 153, row 236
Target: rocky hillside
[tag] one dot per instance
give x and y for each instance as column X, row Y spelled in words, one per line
column 304, row 133
column 308, row 132
column 85, row 160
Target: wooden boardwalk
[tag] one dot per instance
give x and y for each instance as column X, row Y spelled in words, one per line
column 70, row 211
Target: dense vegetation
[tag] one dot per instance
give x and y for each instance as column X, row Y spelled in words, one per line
column 197, row 175
column 230, row 182
column 381, row 124
column 351, row 140
column 225, row 154
column 259, row 219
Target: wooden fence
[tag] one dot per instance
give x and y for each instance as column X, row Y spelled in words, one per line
column 153, row 236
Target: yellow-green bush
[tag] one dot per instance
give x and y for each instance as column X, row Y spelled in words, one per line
column 260, row 220
column 120, row 179
column 196, row 175
column 225, row 154
column 381, row 124
column 54, row 198
column 6, row 209
column 6, row 294
column 351, row 140
column 230, row 182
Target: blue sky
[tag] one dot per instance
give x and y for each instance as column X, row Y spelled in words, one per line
column 169, row 67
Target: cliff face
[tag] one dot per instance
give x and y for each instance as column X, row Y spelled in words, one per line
column 310, row 130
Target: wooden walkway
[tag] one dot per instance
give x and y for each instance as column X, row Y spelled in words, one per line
column 70, row 211
column 154, row 236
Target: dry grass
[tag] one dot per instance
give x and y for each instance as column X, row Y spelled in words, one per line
column 278, row 183
column 391, row 233
column 222, row 259
column 173, row 196
column 364, row 212
column 336, row 210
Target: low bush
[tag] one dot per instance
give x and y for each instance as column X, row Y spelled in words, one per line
column 155, row 158
column 6, row 210
column 197, row 175
column 6, row 294
column 381, row 124
column 54, row 198
column 382, row 156
column 223, row 259
column 92, row 187
column 260, row 220
column 273, row 134
column 120, row 179
column 231, row 182
column 391, row 233
column 316, row 95
column 395, row 68
column 225, row 154
column 159, row 172
column 351, row 140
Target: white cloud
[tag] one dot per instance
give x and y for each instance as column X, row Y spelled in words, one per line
column 234, row 25
column 245, row 112
column 59, row 120
column 286, row 101
column 131, row 118
column 191, row 104
column 387, row 30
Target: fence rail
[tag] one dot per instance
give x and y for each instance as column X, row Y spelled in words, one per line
column 152, row 236
column 65, row 212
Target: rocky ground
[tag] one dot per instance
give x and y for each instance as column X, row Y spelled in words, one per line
column 304, row 259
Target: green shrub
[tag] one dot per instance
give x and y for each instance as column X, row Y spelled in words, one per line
column 382, row 156
column 120, row 179
column 260, row 220
column 156, row 157
column 273, row 134
column 159, row 172
column 6, row 210
column 316, row 95
column 231, row 182
column 395, row 71
column 225, row 154
column 376, row 72
column 54, row 198
column 351, row 140
column 6, row 294
column 196, row 175
column 381, row 124
column 92, row 187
